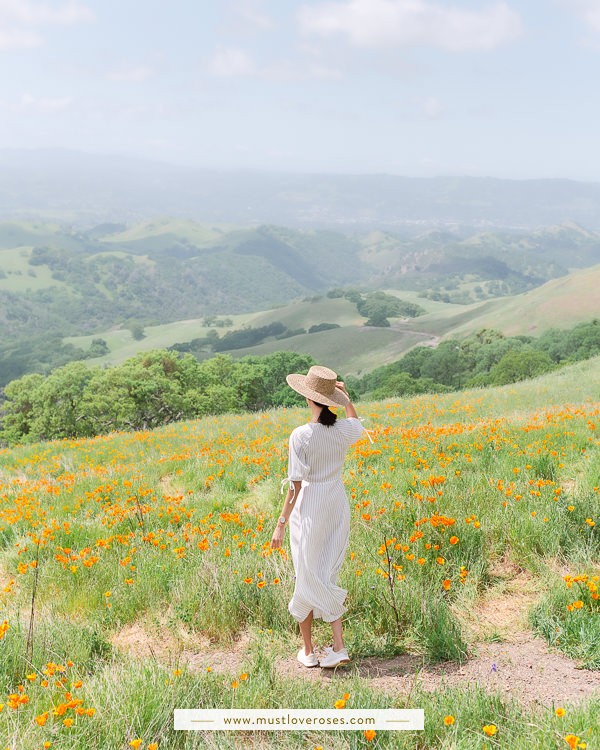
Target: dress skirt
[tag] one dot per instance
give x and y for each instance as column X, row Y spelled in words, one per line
column 319, row 533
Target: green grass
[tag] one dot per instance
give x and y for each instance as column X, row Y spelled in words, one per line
column 20, row 276
column 122, row 345
column 560, row 303
column 17, row 234
column 199, row 234
column 350, row 350
column 355, row 349
column 448, row 319
column 176, row 523
column 431, row 306
column 304, row 314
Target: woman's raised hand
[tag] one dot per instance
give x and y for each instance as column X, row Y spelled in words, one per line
column 350, row 410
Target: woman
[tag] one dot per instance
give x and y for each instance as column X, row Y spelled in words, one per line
column 317, row 509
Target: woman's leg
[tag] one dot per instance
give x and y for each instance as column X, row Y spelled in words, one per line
column 305, row 628
column 338, row 642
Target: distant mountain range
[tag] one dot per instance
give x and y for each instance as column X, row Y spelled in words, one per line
column 87, row 189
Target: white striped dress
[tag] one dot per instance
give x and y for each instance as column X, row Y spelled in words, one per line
column 320, row 520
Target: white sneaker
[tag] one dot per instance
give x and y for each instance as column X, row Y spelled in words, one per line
column 333, row 658
column 308, row 661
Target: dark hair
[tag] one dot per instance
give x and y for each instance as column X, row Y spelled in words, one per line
column 326, row 417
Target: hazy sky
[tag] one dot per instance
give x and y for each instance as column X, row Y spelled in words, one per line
column 475, row 87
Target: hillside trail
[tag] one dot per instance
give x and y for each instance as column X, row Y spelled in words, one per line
column 428, row 339
column 507, row 657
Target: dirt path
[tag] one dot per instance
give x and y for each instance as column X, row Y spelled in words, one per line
column 430, row 338
column 522, row 666
column 524, row 669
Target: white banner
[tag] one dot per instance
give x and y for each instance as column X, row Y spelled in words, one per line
column 298, row 718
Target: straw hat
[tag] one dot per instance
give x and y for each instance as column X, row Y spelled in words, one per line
column 319, row 386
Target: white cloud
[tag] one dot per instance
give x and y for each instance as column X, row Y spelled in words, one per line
column 246, row 18
column 19, row 39
column 288, row 70
column 18, row 17
column 132, row 74
column 252, row 14
column 16, row 13
column 232, row 62
column 588, row 10
column 390, row 23
column 432, row 107
column 324, row 72
column 43, row 105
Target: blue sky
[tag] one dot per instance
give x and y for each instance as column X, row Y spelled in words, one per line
column 412, row 87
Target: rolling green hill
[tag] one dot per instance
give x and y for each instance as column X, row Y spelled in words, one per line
column 308, row 313
column 560, row 303
column 354, row 349
column 59, row 282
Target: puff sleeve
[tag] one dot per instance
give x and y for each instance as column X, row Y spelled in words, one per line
column 352, row 429
column 297, row 466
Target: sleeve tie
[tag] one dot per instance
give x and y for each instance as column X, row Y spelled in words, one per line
column 365, row 430
column 289, row 481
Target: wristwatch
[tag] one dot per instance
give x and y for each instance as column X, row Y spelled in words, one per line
column 282, row 519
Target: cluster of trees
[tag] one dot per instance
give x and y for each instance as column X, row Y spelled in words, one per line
column 214, row 320
column 161, row 386
column 252, row 336
column 151, row 389
column 323, row 327
column 487, row 358
column 377, row 307
column 244, row 337
column 450, row 291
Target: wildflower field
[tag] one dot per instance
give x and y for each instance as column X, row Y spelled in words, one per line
column 170, row 529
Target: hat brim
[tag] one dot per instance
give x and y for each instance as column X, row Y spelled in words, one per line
column 298, row 383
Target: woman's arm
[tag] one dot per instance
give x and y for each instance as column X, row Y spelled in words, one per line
column 288, row 507
column 350, row 410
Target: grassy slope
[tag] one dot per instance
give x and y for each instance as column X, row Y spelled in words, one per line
column 306, row 314
column 448, row 318
column 350, row 350
column 198, row 234
column 562, row 303
column 15, row 234
column 470, row 443
column 559, row 303
column 15, row 264
column 122, row 345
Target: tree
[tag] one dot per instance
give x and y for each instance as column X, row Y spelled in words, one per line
column 20, row 408
column 39, row 408
column 261, row 381
column 98, row 348
column 378, row 318
column 520, row 365
column 137, row 330
column 402, row 384
column 323, row 327
column 447, row 365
